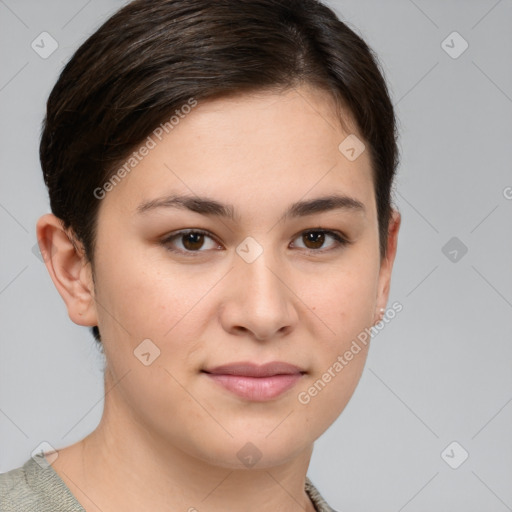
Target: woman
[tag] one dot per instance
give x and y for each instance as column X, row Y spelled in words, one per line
column 220, row 179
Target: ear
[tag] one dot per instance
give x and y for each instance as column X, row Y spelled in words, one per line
column 67, row 267
column 386, row 265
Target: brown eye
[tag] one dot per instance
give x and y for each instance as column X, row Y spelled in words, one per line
column 189, row 242
column 313, row 240
column 192, row 241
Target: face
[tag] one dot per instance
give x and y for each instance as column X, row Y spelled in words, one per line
column 266, row 274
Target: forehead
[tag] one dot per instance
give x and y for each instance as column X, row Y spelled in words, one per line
column 251, row 148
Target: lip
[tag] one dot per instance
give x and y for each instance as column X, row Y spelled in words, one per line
column 256, row 382
column 249, row 369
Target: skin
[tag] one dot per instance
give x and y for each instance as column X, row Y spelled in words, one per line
column 169, row 437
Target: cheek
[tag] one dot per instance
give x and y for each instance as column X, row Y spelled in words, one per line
column 339, row 360
column 328, row 392
column 146, row 299
column 343, row 306
column 343, row 300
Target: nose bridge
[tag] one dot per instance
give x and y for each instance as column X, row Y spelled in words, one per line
column 260, row 300
column 258, row 268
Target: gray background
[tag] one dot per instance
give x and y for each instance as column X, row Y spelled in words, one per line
column 439, row 372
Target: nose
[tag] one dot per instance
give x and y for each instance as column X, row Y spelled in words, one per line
column 259, row 300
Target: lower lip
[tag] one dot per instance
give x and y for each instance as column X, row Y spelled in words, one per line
column 256, row 388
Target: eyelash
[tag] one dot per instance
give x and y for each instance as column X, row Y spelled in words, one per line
column 340, row 241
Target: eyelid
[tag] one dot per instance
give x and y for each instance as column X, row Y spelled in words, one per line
column 176, row 234
column 340, row 239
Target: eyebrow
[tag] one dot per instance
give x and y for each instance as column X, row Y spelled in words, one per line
column 208, row 206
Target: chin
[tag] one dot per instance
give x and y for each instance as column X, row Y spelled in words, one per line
column 257, row 451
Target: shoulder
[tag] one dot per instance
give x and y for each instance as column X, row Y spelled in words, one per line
column 318, row 501
column 35, row 487
column 15, row 492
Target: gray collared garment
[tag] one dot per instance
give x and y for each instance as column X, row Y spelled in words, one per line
column 36, row 487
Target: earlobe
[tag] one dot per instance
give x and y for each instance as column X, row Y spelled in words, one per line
column 68, row 269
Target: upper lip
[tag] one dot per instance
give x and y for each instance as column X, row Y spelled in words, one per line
column 248, row 369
